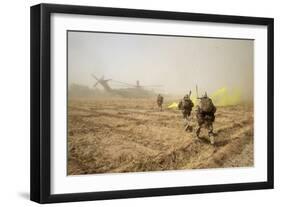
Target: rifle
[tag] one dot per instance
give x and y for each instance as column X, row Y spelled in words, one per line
column 197, row 93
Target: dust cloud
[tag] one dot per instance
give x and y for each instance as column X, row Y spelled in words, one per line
column 221, row 67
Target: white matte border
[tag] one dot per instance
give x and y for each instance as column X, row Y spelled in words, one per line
column 60, row 183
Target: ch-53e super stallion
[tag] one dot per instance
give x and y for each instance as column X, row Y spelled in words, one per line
column 124, row 89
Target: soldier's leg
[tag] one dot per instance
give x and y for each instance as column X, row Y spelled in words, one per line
column 211, row 133
column 184, row 117
column 185, row 120
column 184, row 114
column 200, row 121
column 210, row 126
column 188, row 126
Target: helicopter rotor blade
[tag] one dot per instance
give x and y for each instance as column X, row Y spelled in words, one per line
column 127, row 84
column 152, row 86
column 95, row 85
column 95, row 77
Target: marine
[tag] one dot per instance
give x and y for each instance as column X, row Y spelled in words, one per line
column 160, row 100
column 205, row 115
column 186, row 105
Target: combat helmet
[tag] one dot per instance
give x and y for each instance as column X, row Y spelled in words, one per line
column 187, row 96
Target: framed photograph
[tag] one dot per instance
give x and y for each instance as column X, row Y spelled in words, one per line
column 132, row 103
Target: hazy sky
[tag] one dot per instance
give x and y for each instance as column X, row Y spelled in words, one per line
column 177, row 63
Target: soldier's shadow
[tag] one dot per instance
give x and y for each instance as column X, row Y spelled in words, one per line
column 218, row 142
column 221, row 143
column 204, row 139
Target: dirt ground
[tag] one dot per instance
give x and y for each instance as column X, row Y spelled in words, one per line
column 131, row 135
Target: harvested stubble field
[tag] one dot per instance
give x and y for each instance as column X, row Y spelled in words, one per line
column 131, row 135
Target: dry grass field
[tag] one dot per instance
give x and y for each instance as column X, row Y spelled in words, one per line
column 131, row 135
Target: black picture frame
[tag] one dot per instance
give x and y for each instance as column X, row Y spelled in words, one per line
column 41, row 99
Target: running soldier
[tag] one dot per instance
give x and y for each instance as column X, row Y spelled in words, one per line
column 186, row 105
column 160, row 100
column 206, row 116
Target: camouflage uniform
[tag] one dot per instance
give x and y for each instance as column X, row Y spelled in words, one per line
column 186, row 105
column 206, row 119
column 160, row 100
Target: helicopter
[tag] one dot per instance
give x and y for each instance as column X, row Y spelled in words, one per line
column 130, row 90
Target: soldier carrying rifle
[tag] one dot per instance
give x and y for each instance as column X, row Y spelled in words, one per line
column 160, row 100
column 205, row 114
column 186, row 105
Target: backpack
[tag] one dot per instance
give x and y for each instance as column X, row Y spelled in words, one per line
column 187, row 104
column 206, row 105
